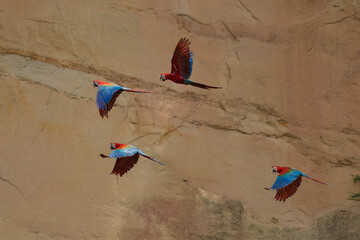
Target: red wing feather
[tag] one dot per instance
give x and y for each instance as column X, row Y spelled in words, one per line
column 286, row 192
column 180, row 62
column 124, row 164
column 109, row 106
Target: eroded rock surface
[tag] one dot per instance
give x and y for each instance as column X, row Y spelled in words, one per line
column 290, row 77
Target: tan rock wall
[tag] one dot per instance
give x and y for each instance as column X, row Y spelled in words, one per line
column 290, row 77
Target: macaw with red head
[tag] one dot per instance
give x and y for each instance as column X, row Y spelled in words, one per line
column 288, row 181
column 107, row 94
column 181, row 66
column 126, row 157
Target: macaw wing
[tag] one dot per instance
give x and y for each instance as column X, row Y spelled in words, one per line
column 181, row 62
column 286, row 192
column 285, row 179
column 286, row 184
column 126, row 151
column 106, row 97
column 124, row 164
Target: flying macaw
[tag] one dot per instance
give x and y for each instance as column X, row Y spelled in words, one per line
column 126, row 157
column 288, row 181
column 181, row 66
column 107, row 94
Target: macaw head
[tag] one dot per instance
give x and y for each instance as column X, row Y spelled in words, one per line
column 114, row 146
column 96, row 83
column 275, row 169
column 163, row 77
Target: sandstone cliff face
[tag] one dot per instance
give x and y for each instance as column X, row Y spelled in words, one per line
column 290, row 76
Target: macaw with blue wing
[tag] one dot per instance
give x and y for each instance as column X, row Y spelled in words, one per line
column 107, row 94
column 126, row 157
column 181, row 66
column 288, row 181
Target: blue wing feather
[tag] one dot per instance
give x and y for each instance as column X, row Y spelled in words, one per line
column 286, row 179
column 100, row 103
column 191, row 63
column 104, row 95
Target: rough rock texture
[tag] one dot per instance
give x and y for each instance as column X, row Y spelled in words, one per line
column 290, row 74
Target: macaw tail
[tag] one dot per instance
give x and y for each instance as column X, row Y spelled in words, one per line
column 134, row 90
column 318, row 181
column 144, row 155
column 199, row 85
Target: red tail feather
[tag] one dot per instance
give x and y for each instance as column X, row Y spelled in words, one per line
column 134, row 90
column 200, row 85
column 318, row 181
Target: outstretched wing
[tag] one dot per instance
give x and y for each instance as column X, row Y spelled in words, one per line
column 126, row 157
column 181, row 62
column 124, row 164
column 287, row 184
column 106, row 97
column 286, row 192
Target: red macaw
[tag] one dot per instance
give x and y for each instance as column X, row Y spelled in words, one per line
column 288, row 181
column 107, row 94
column 126, row 157
column 181, row 66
